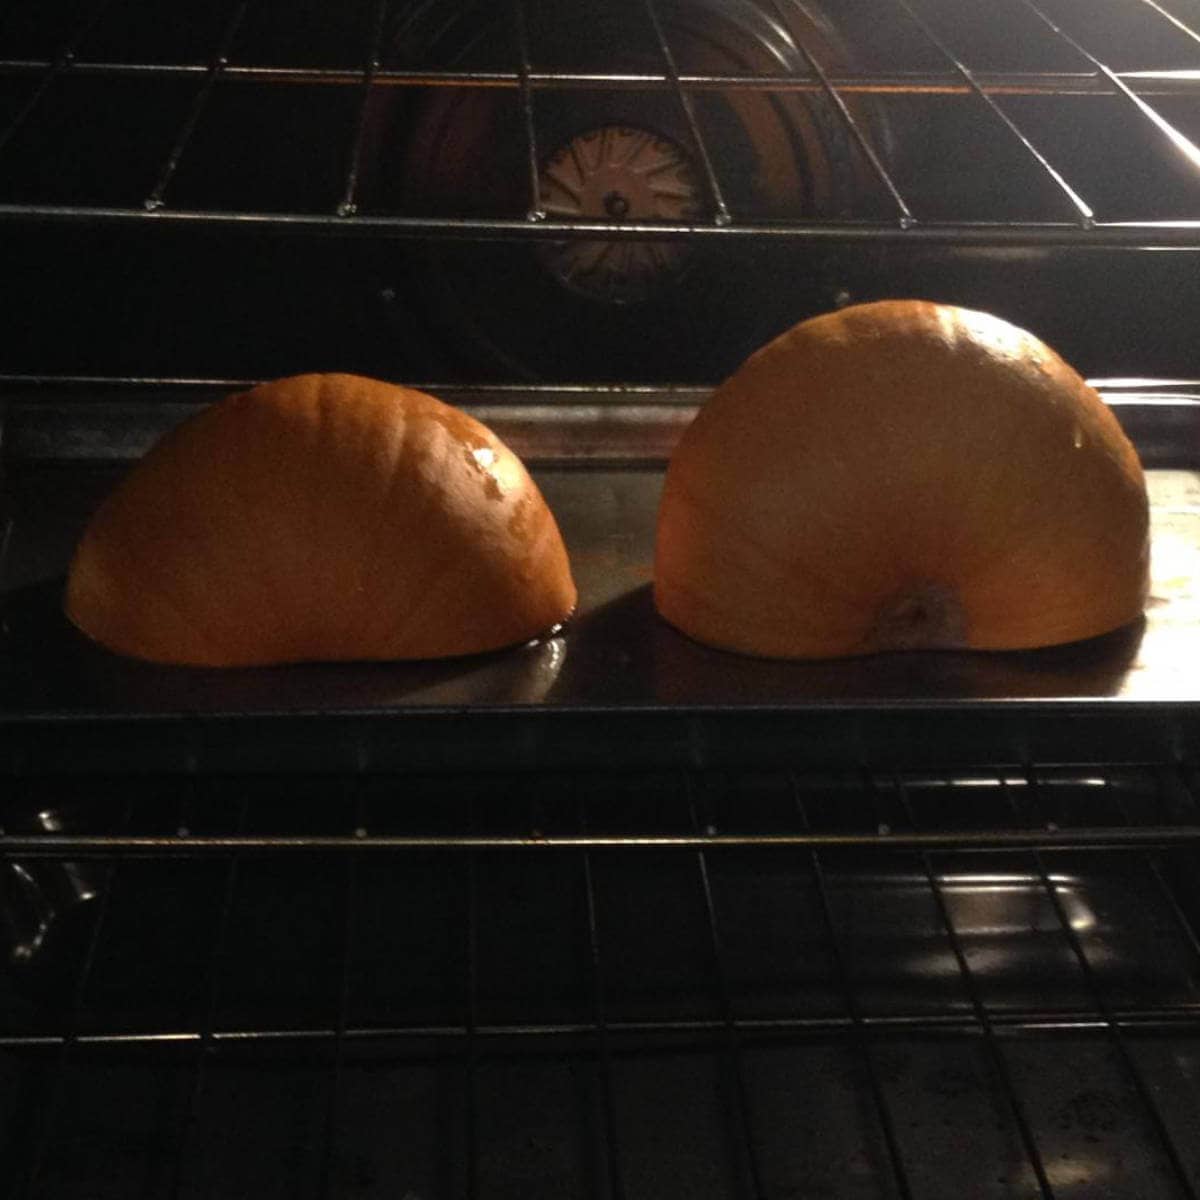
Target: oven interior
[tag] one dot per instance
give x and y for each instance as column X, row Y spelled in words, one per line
column 612, row 914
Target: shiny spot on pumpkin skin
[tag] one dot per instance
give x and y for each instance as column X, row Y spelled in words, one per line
column 483, row 461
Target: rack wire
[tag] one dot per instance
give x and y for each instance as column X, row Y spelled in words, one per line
column 1086, row 215
column 1019, row 870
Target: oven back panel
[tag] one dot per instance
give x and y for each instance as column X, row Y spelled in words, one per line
column 629, row 190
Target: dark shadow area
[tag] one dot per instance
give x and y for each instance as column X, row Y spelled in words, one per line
column 48, row 664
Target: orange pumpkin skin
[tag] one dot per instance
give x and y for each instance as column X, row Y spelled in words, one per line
column 321, row 517
column 899, row 475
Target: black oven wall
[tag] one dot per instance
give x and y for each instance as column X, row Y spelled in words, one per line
column 164, row 302
column 407, row 189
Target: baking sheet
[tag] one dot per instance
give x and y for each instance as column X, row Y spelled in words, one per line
column 615, row 653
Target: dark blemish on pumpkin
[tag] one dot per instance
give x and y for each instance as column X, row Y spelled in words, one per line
column 920, row 616
column 518, row 521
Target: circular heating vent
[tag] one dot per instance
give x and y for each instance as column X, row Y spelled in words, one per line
column 618, row 173
column 622, row 150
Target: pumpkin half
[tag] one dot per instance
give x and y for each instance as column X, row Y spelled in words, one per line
column 322, row 517
column 902, row 475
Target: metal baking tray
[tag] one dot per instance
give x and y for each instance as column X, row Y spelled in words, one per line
column 598, row 456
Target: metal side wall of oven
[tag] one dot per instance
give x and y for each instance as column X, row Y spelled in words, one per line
column 611, row 915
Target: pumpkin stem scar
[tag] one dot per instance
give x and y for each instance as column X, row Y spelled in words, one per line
column 920, row 616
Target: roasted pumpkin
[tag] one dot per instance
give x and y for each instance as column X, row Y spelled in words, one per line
column 902, row 475
column 321, row 517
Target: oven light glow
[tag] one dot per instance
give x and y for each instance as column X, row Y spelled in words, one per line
column 1009, row 882
column 1183, row 73
column 1181, row 142
column 995, row 781
column 1077, row 1172
column 1137, row 381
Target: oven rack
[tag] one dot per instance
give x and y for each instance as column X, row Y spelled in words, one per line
column 85, row 419
column 1003, row 873
column 1076, row 218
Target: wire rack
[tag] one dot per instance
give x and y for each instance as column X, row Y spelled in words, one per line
column 703, row 983
column 1052, row 118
